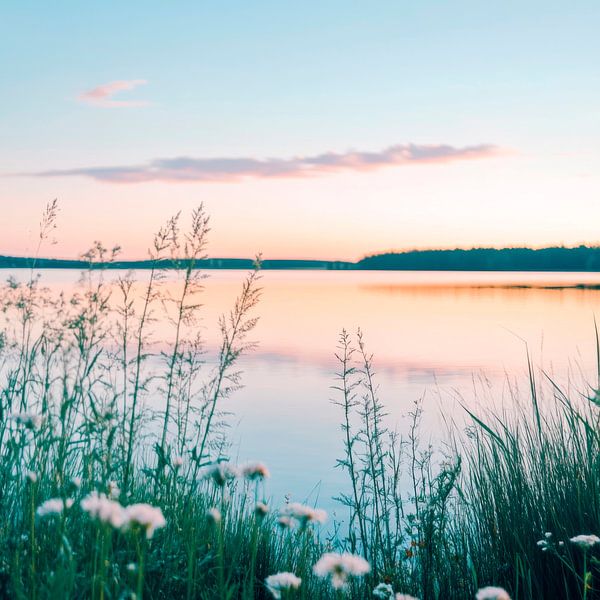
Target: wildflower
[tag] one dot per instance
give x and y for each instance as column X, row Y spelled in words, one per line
column 544, row 545
column 304, row 514
column 221, row 473
column 54, row 506
column 214, row 515
column 282, row 582
column 404, row 597
column 28, row 420
column 99, row 507
column 383, row 591
column 254, row 471
column 177, row 462
column 132, row 567
column 339, row 567
column 492, row 593
column 76, row 482
column 148, row 518
column 585, row 542
column 113, row 490
column 261, row 510
column 31, row 476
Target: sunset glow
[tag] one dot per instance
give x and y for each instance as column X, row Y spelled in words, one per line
column 303, row 140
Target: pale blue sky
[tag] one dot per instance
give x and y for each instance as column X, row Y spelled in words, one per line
column 279, row 80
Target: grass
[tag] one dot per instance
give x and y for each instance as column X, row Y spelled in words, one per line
column 97, row 410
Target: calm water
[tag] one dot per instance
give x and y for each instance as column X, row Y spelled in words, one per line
column 432, row 334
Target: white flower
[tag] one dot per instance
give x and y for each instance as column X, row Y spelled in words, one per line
column 544, row 545
column 132, row 567
column 383, row 591
column 28, row 420
column 261, row 509
column 282, row 582
column 214, row 515
column 404, row 597
column 149, row 518
column 492, row 593
column 76, row 481
column 254, row 470
column 54, row 506
column 220, row 473
column 177, row 462
column 338, row 567
column 32, row 476
column 99, row 507
column 303, row 514
column 585, row 542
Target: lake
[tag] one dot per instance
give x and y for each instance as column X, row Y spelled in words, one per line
column 434, row 335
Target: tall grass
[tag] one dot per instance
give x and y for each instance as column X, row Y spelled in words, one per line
column 110, row 399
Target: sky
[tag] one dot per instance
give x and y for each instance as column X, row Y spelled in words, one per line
column 327, row 130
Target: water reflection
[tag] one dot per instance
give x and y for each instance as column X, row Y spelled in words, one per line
column 431, row 334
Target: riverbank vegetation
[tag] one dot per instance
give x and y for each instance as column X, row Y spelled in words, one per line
column 116, row 480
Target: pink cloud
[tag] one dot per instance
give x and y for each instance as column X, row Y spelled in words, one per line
column 103, row 94
column 232, row 169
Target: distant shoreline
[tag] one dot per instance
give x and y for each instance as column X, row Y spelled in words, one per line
column 552, row 259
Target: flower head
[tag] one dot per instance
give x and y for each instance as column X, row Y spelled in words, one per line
column 254, row 470
column 492, row 593
column 221, row 473
column 144, row 516
column 31, row 476
column 404, row 597
column 282, row 582
column 107, row 511
column 54, row 506
column 585, row 542
column 383, row 591
column 303, row 514
column 339, row 567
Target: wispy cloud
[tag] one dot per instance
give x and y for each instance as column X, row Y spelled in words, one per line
column 185, row 169
column 103, row 95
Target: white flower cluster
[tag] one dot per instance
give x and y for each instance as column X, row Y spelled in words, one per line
column 338, row 568
column 254, row 470
column 107, row 511
column 142, row 516
column 492, row 593
column 149, row 518
column 54, row 506
column 302, row 514
column 585, row 542
column 282, row 582
column 220, row 473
